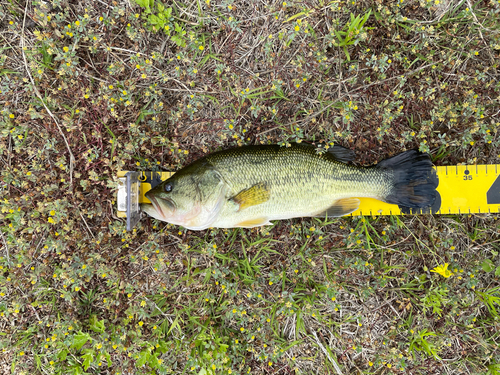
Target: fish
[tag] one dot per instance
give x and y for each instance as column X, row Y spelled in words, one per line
column 253, row 185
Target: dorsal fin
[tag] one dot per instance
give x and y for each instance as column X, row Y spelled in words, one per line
column 339, row 153
column 342, row 154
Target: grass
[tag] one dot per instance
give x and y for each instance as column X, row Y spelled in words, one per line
column 91, row 88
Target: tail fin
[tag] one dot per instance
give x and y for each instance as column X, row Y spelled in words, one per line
column 414, row 179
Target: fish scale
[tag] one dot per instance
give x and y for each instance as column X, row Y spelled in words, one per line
column 292, row 174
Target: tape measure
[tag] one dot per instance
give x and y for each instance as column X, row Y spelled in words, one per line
column 462, row 189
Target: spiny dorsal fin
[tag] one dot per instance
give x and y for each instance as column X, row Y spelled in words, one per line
column 257, row 194
column 341, row 207
column 342, row 154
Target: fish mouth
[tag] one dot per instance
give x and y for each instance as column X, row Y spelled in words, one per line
column 170, row 206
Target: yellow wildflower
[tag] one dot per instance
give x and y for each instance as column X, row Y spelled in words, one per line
column 443, row 270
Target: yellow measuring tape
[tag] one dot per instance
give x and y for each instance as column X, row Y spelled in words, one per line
column 462, row 189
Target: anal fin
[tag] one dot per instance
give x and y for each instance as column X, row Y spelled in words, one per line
column 341, row 207
column 253, row 223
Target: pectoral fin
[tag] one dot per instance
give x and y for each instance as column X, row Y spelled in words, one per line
column 257, row 194
column 341, row 207
column 253, row 223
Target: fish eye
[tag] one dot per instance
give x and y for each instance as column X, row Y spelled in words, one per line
column 168, row 188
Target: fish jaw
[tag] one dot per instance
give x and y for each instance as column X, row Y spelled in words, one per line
column 151, row 211
column 156, row 210
column 187, row 220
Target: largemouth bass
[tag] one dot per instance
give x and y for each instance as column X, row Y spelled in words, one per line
column 252, row 185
